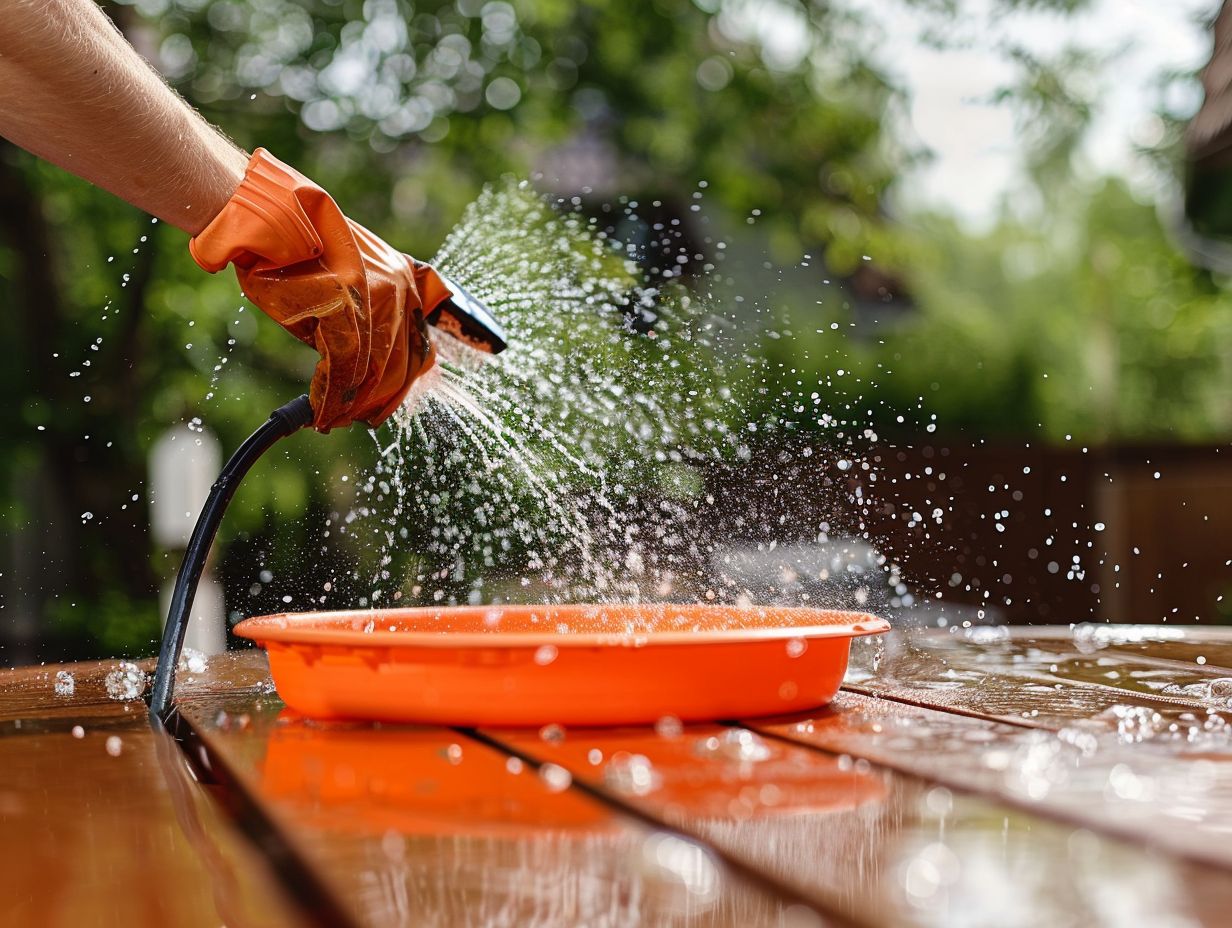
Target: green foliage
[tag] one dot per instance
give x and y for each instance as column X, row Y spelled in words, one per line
column 1092, row 326
column 404, row 111
column 1054, row 105
column 445, row 96
column 115, row 623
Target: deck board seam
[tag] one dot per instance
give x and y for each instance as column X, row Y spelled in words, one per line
column 951, row 710
column 286, row 859
column 824, row 906
column 1068, row 817
column 896, row 695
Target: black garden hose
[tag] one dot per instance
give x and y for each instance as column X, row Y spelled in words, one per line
column 283, row 421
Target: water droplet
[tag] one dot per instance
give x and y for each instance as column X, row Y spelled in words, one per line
column 1133, row 724
column 986, row 635
column 675, row 861
column 126, row 682
column 65, row 684
column 1088, row 639
column 669, row 727
column 735, row 744
column 555, row 777
column 632, row 774
column 193, row 661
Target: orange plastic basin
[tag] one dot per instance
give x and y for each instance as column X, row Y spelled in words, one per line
column 574, row 664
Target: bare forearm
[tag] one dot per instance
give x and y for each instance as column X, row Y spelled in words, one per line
column 74, row 92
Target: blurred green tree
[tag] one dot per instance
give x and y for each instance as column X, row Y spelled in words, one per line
column 403, row 111
column 1080, row 319
column 1093, row 327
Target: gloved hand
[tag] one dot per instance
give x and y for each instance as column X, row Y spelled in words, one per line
column 332, row 284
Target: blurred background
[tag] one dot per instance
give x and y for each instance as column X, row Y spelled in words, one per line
column 1005, row 215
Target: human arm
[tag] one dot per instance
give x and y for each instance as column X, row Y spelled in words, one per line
column 74, row 92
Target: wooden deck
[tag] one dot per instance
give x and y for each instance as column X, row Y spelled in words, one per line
column 982, row 777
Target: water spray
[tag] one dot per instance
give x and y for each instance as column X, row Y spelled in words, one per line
column 457, row 312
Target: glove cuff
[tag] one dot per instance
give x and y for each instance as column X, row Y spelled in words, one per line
column 264, row 222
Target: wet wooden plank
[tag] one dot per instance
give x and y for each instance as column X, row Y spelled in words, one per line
column 431, row 827
column 1131, row 777
column 30, row 692
column 1031, row 681
column 1124, row 740
column 1168, row 646
column 871, row 843
column 104, row 826
column 1110, row 788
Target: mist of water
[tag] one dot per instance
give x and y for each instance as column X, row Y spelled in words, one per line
column 579, row 465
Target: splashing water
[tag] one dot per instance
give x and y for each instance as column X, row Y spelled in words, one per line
column 126, row 682
column 734, row 744
column 566, row 468
column 64, row 684
column 576, row 465
column 632, row 774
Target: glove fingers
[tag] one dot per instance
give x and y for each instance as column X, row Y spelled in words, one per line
column 343, row 364
column 325, row 314
column 411, row 355
column 331, row 283
column 400, row 348
column 390, row 293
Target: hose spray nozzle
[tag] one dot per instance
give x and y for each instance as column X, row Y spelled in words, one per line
column 456, row 310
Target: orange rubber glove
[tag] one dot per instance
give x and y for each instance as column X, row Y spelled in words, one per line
column 332, row 284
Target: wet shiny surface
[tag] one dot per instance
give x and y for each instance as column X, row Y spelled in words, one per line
column 1124, row 735
column 1046, row 677
column 1035, row 777
column 431, row 827
column 869, row 843
column 103, row 825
